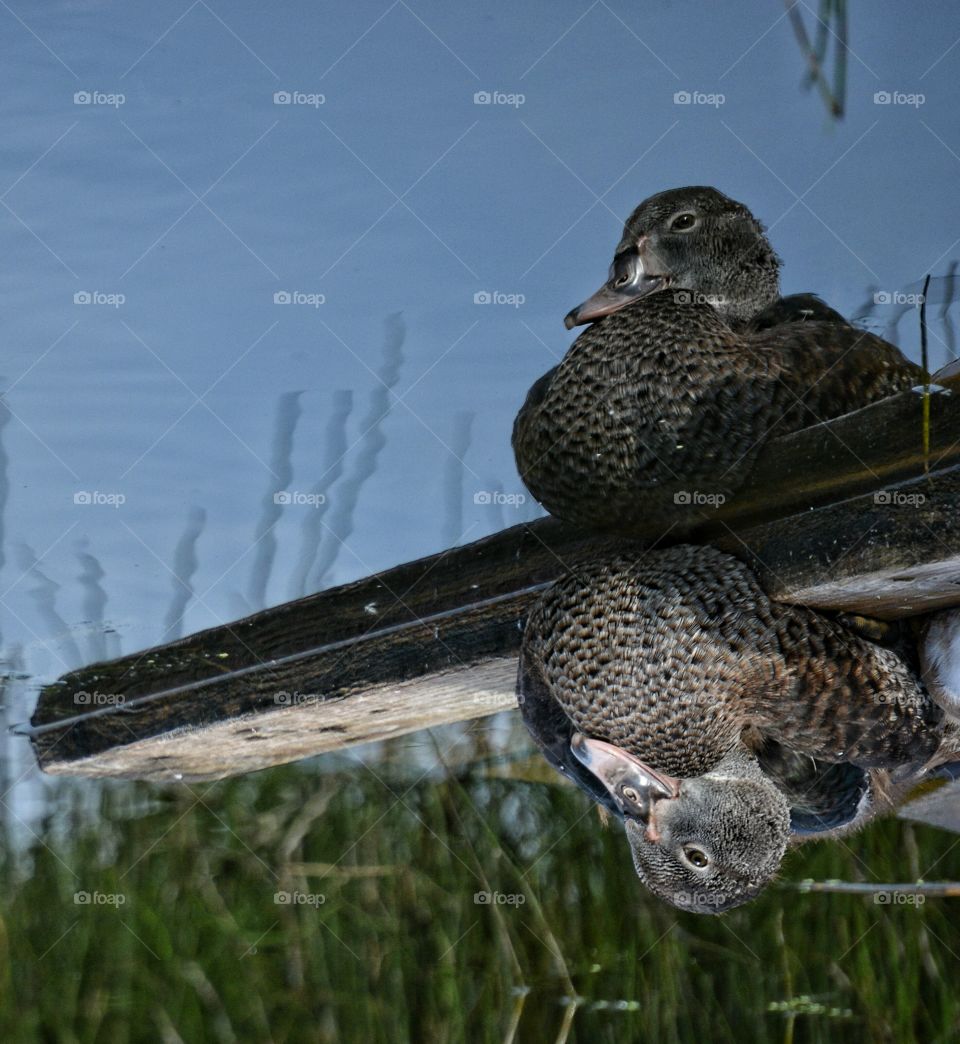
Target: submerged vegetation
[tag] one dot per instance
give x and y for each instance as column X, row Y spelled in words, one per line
column 440, row 889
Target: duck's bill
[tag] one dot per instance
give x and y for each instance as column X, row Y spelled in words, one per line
column 628, row 282
column 633, row 785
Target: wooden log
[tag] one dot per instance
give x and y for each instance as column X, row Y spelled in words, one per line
column 890, row 556
column 426, row 643
column 940, row 808
column 833, row 517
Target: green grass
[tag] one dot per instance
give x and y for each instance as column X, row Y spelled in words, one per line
column 398, row 949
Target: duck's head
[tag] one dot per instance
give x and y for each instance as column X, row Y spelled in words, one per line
column 703, row 845
column 695, row 240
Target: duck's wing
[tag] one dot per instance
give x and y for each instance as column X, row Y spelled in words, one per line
column 832, row 368
column 795, row 308
column 851, row 699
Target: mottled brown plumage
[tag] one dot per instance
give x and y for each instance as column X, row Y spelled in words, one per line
column 679, row 659
column 660, row 408
column 639, row 647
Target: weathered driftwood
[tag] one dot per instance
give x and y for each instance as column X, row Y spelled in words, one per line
column 850, row 514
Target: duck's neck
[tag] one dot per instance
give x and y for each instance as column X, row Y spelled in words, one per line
column 741, row 286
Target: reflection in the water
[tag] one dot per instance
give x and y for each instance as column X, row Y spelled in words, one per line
column 184, row 567
column 399, row 911
column 453, row 475
column 278, row 479
column 335, row 449
column 712, row 720
column 660, row 409
column 370, row 442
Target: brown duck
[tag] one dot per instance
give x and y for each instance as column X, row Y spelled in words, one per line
column 692, row 360
column 717, row 724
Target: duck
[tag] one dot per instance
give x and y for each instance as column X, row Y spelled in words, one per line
column 722, row 727
column 690, row 361
column 795, row 308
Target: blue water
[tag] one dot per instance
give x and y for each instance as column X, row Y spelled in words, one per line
column 187, row 168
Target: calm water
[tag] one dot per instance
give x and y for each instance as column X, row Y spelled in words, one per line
column 325, row 251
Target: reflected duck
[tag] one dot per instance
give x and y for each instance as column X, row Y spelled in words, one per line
column 693, row 359
column 718, row 725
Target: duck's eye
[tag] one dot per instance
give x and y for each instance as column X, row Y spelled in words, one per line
column 630, row 795
column 683, row 222
column 696, row 857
